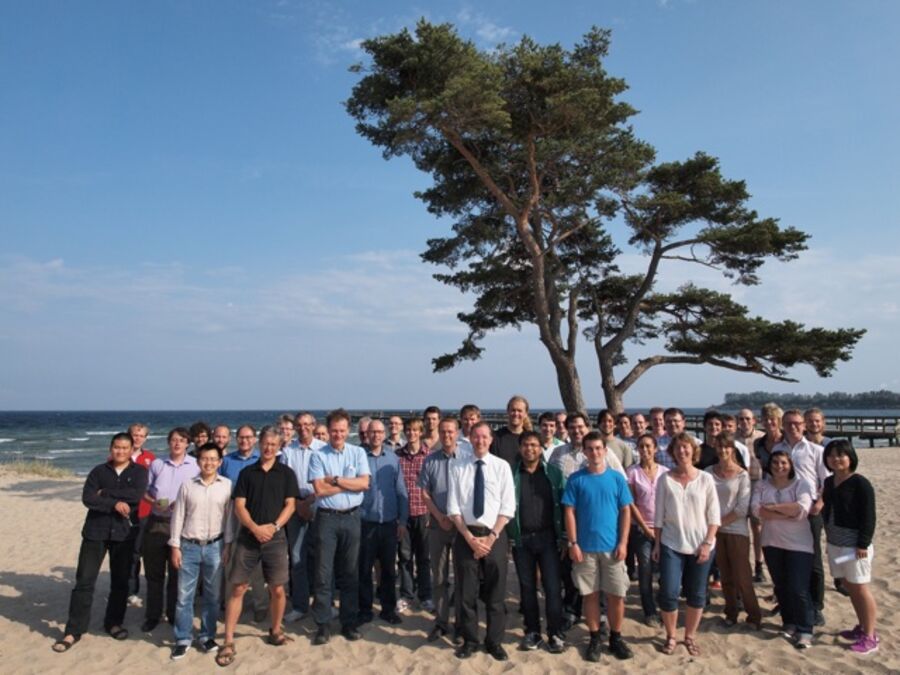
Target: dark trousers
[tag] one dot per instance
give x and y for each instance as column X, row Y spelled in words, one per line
column 90, row 559
column 539, row 551
column 484, row 578
column 440, row 545
column 790, row 572
column 817, row 577
column 302, row 562
column 337, row 560
column 134, row 578
column 415, row 561
column 378, row 542
column 157, row 565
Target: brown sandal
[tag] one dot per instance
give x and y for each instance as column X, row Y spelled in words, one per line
column 278, row 639
column 691, row 646
column 670, row 645
column 225, row 655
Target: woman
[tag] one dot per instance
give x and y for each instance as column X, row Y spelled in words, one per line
column 849, row 515
column 782, row 501
column 643, row 479
column 685, row 524
column 733, row 536
column 762, row 448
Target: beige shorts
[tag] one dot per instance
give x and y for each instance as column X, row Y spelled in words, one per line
column 843, row 563
column 600, row 572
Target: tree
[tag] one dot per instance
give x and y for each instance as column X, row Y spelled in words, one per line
column 532, row 156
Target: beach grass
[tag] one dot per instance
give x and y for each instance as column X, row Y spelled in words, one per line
column 36, row 467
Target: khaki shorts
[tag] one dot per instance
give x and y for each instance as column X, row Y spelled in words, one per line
column 856, row 571
column 273, row 555
column 600, row 572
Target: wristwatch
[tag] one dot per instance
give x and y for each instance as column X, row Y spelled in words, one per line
column 334, row 481
column 573, row 543
column 276, row 526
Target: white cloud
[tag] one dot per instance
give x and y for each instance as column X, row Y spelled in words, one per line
column 488, row 32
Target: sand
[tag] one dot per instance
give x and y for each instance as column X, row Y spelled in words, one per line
column 40, row 530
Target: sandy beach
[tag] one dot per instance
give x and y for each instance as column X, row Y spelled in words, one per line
column 41, row 526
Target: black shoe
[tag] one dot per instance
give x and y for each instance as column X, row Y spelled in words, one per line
column 594, row 650
column 149, row 625
column 457, row 640
column 323, row 635
column 758, row 573
column 436, row 634
column 556, row 645
column 366, row 617
column 350, row 633
column 619, row 649
column 391, row 617
column 178, row 652
column 819, row 619
column 530, row 642
column 465, row 650
column 497, row 652
column 208, row 647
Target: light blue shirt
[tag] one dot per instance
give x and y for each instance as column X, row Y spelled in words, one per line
column 234, row 462
column 297, row 457
column 350, row 462
column 386, row 500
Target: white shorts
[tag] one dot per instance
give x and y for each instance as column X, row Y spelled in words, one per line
column 844, row 564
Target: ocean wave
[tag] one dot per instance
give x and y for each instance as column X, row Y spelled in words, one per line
column 156, row 436
column 7, row 440
column 70, row 451
column 81, row 439
column 101, row 433
column 47, row 458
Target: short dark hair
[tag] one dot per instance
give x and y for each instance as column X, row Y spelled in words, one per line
column 547, row 415
column 841, row 446
column 121, row 436
column 432, row 409
column 781, row 453
column 207, row 447
column 336, row 415
column 198, row 428
column 246, row 426
column 570, row 416
column 469, row 407
column 673, row 411
column 592, row 436
column 644, row 435
column 711, row 415
column 604, row 414
column 179, row 431
column 526, row 435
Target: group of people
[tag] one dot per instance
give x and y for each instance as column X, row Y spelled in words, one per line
column 297, row 522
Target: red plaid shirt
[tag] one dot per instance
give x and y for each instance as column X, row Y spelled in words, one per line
column 411, row 465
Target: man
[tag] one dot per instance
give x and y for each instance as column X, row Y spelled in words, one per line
column 809, row 465
column 111, row 493
column 321, row 432
column 362, row 431
column 639, row 424
column 712, row 427
column 198, row 527
column 142, row 457
column 394, row 440
column 570, row 458
column 673, row 420
column 285, row 427
column 598, row 518
column 264, row 500
column 430, row 420
column 221, row 436
column 657, row 422
column 506, row 442
column 549, row 441
column 562, row 432
column 748, row 434
column 481, row 501
column 415, row 565
column 606, row 427
column 165, row 479
column 200, row 433
column 814, row 419
column 297, row 456
column 469, row 416
column 434, row 481
column 384, row 511
column 729, row 424
column 339, row 473
column 233, row 464
column 625, row 432
column 536, row 533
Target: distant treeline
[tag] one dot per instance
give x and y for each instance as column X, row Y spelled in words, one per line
column 834, row 400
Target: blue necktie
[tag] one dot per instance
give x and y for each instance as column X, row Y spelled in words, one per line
column 478, row 507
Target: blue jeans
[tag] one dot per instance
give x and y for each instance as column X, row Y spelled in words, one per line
column 791, row 571
column 539, row 550
column 681, row 569
column 302, row 567
column 643, row 548
column 196, row 559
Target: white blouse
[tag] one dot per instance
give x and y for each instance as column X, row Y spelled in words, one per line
column 734, row 495
column 684, row 513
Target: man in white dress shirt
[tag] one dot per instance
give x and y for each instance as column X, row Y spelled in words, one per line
column 481, row 501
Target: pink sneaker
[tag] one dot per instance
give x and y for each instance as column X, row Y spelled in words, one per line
column 854, row 634
column 865, row 645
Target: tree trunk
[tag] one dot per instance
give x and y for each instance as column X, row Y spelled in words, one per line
column 608, row 381
column 569, row 383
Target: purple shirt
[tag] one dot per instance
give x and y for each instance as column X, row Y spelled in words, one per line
column 165, row 480
column 644, row 490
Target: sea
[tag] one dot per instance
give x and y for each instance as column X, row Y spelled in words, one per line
column 79, row 440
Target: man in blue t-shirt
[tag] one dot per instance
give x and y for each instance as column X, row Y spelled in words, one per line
column 597, row 517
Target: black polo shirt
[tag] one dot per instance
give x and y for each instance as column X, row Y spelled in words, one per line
column 265, row 492
column 535, row 501
column 506, row 446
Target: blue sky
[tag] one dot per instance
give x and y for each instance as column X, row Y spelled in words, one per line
column 190, row 221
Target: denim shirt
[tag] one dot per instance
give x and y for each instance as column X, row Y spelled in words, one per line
column 386, row 500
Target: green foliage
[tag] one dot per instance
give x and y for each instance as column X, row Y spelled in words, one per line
column 836, row 400
column 531, row 154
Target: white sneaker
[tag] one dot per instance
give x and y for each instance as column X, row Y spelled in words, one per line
column 135, row 601
column 293, row 616
column 402, row 606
